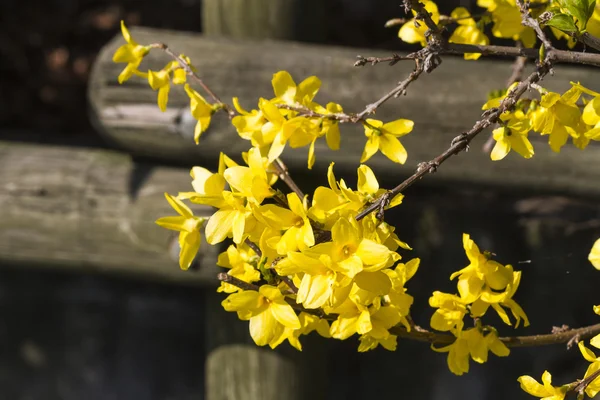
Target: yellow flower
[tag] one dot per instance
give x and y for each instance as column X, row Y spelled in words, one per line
column 594, row 256
column 594, row 387
column 298, row 230
column 131, row 53
column 317, row 282
column 287, row 92
column 349, row 253
column 201, row 111
column 450, row 312
column 230, row 219
column 188, row 226
column 277, row 130
column 557, row 116
column 253, row 181
column 467, row 32
column 240, row 260
column 208, row 188
column 384, row 137
column 370, row 343
column 249, row 124
column 309, row 323
column 267, row 311
column 546, row 391
column 513, row 136
column 414, row 31
column 507, row 21
column 161, row 81
column 472, row 343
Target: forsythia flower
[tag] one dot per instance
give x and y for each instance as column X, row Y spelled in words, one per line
column 467, row 32
column 557, row 116
column 594, row 256
column 594, row 387
column 513, row 136
column 546, row 390
column 188, row 226
column 161, row 80
column 241, row 261
column 473, row 343
column 507, row 21
column 131, row 53
column 267, row 310
column 413, row 31
column 384, row 137
column 201, row 111
column 287, row 92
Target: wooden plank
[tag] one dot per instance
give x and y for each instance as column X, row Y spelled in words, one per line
column 91, row 210
column 265, row 19
column 442, row 105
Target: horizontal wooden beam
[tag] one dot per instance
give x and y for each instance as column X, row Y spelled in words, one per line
column 442, row 104
column 91, row 211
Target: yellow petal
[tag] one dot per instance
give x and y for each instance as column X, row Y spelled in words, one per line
column 179, row 206
column 332, row 136
column 367, row 183
column 285, row 315
column 372, row 253
column 392, row 148
column 314, row 291
column 531, row 386
column 594, row 255
column 264, row 328
column 371, row 148
column 374, row 282
column 399, row 127
column 173, row 223
column 126, row 34
column 219, row 226
column 586, row 353
column 501, row 149
column 163, row 97
column 284, row 86
column 189, row 243
column 308, row 88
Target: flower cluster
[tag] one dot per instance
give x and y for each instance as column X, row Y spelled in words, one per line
column 547, row 391
column 575, row 114
column 484, row 283
column 352, row 279
column 291, row 118
column 569, row 19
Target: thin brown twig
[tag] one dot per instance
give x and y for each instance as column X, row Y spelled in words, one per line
column 462, row 141
column 286, row 279
column 516, row 75
column 423, row 335
column 190, row 72
column 254, row 247
column 528, row 20
column 580, row 386
column 285, row 176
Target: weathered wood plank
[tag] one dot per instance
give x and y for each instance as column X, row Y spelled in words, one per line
column 90, row 210
column 442, row 105
column 247, row 372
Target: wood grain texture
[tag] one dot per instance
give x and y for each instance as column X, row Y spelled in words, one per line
column 247, row 372
column 265, row 19
column 91, row 210
column 442, row 104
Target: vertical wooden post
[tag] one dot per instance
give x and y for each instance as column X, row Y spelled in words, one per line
column 302, row 20
column 236, row 368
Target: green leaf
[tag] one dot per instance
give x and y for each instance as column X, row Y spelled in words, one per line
column 580, row 9
column 563, row 22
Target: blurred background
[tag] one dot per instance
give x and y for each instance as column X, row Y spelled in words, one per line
column 92, row 304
